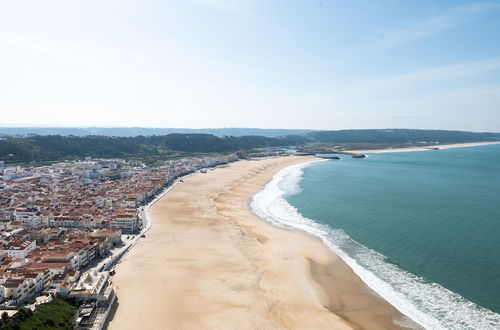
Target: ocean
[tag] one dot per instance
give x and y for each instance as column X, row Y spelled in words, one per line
column 421, row 228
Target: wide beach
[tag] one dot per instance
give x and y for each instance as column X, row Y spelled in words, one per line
column 209, row 263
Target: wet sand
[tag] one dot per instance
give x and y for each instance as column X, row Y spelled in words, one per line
column 209, row 263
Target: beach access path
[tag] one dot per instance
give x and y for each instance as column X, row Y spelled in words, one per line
column 209, row 263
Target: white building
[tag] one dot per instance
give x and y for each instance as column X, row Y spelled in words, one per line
column 15, row 288
column 127, row 223
column 18, row 248
column 29, row 217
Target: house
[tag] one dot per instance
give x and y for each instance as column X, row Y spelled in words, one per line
column 127, row 223
column 18, row 248
column 114, row 235
column 28, row 216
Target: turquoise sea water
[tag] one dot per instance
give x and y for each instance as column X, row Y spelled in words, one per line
column 421, row 228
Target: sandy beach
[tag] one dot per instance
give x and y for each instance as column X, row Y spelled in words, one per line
column 439, row 146
column 209, row 263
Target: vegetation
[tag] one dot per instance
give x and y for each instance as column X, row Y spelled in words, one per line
column 399, row 136
column 136, row 131
column 57, row 314
column 55, row 147
column 153, row 149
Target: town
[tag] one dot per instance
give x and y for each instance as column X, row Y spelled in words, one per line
column 63, row 227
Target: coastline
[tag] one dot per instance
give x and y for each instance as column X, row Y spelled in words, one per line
column 210, row 263
column 430, row 147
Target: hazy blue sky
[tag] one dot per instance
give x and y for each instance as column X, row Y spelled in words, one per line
column 251, row 63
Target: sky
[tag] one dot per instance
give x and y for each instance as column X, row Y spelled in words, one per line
column 315, row 64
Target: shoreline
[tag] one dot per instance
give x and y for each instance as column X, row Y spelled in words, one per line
column 327, row 274
column 207, row 263
column 423, row 148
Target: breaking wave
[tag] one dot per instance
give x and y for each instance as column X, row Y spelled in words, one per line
column 428, row 304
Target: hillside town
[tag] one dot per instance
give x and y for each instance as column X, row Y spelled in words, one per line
column 63, row 226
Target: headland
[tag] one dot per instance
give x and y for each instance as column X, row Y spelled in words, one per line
column 419, row 148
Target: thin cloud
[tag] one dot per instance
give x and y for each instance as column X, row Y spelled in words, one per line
column 449, row 73
column 37, row 45
column 454, row 17
column 463, row 88
column 446, row 79
column 75, row 53
column 222, row 4
column 243, row 7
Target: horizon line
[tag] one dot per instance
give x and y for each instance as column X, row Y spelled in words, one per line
column 14, row 126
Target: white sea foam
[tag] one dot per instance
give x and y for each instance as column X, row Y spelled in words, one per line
column 428, row 304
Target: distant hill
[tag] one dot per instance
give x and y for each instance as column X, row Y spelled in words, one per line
column 338, row 136
column 399, row 136
column 152, row 148
column 42, row 148
column 136, row 131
